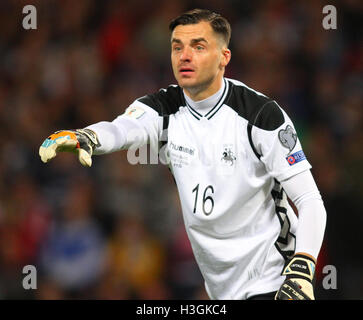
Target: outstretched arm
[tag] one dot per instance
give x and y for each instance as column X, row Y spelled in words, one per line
column 138, row 126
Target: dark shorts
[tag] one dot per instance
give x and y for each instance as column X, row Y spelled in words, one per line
column 263, row 296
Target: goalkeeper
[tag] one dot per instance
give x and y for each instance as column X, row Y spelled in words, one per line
column 235, row 157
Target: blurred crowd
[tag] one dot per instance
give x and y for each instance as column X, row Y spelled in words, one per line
column 115, row 231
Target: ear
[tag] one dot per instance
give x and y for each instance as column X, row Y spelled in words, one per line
column 226, row 57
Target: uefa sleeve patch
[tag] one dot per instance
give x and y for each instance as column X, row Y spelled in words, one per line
column 134, row 112
column 296, row 157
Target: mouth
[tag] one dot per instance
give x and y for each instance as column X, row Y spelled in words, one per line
column 186, row 71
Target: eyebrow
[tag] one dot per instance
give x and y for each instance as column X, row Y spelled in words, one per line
column 192, row 42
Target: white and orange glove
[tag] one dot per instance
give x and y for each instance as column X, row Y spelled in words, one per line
column 79, row 141
column 298, row 284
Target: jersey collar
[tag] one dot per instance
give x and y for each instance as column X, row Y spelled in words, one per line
column 217, row 100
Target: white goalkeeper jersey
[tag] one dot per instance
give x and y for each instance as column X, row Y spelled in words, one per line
column 227, row 161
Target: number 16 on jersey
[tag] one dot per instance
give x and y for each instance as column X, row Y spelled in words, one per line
column 206, row 202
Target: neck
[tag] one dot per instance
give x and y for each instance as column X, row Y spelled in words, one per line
column 205, row 105
column 204, row 91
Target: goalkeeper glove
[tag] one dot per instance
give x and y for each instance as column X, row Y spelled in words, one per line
column 79, row 141
column 298, row 284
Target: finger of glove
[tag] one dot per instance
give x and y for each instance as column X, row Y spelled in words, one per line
column 48, row 150
column 283, row 295
column 66, row 144
column 84, row 157
column 306, row 287
column 47, row 153
column 292, row 290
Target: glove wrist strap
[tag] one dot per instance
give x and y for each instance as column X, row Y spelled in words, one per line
column 300, row 266
column 91, row 135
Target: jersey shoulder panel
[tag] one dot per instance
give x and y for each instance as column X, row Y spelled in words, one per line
column 258, row 109
column 165, row 101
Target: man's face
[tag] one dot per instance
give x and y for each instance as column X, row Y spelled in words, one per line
column 198, row 56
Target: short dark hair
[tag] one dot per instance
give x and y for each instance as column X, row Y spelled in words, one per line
column 219, row 24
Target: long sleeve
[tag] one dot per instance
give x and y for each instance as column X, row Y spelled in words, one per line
column 138, row 126
column 303, row 192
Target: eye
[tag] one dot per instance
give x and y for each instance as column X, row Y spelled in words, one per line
column 177, row 48
column 199, row 48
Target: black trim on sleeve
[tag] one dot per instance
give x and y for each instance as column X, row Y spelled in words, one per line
column 164, row 137
column 286, row 241
column 269, row 117
column 259, row 110
column 165, row 101
column 249, row 134
column 165, row 122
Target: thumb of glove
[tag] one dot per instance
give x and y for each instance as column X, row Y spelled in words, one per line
column 84, row 157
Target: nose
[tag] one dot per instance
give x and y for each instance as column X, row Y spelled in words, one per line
column 186, row 54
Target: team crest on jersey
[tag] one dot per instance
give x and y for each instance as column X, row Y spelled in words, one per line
column 228, row 156
column 288, row 137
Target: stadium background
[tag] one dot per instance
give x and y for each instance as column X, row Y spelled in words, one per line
column 115, row 231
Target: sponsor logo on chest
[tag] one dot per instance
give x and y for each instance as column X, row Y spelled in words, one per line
column 180, row 154
column 181, row 148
